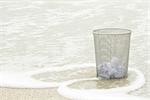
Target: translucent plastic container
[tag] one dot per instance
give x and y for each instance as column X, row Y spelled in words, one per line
column 112, row 52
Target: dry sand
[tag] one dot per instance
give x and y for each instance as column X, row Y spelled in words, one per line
column 29, row 94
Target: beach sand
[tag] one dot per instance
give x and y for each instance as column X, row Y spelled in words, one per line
column 52, row 94
column 30, row 94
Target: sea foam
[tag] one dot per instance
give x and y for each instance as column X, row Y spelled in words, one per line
column 15, row 79
column 103, row 94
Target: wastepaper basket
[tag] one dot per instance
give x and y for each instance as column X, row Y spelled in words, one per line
column 112, row 52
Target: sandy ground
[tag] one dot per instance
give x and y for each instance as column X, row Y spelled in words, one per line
column 29, row 94
column 52, row 94
column 48, row 93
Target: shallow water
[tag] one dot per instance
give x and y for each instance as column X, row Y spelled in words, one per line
column 102, row 84
column 44, row 34
column 61, row 76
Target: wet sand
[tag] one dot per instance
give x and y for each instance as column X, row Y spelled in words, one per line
column 52, row 94
column 48, row 93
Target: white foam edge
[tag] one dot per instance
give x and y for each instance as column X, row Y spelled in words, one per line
column 118, row 93
column 21, row 80
column 13, row 79
column 62, row 68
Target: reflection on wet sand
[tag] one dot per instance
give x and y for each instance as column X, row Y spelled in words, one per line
column 104, row 84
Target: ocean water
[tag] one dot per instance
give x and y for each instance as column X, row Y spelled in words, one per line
column 38, row 35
